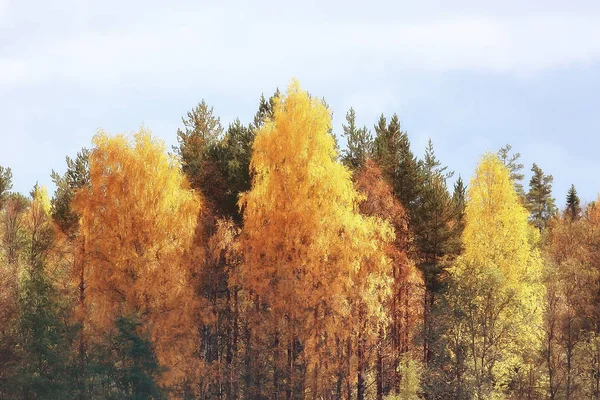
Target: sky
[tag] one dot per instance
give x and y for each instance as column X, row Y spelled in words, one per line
column 471, row 75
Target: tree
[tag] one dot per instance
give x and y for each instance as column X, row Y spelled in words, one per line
column 43, row 334
column 309, row 257
column 539, row 198
column 266, row 109
column 202, row 129
column 5, row 184
column 76, row 177
column 573, row 208
column 511, row 161
column 392, row 152
column 126, row 367
column 138, row 220
column 394, row 345
column 459, row 201
column 496, row 292
column 433, row 219
column 359, row 145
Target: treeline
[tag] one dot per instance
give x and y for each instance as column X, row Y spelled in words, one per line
column 261, row 262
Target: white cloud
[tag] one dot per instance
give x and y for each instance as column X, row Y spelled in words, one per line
column 244, row 48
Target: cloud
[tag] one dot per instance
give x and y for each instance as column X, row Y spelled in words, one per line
column 229, row 49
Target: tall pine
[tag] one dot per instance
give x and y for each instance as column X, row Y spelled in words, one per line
column 540, row 202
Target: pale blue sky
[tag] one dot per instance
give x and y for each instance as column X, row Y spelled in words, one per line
column 469, row 75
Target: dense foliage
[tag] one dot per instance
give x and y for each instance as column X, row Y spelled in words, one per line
column 261, row 261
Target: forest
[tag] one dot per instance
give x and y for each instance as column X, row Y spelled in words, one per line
column 266, row 261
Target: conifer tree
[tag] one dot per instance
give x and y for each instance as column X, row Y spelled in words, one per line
column 432, row 226
column 511, row 161
column 5, row 183
column 539, row 198
column 202, row 129
column 359, row 145
column 392, row 152
column 573, row 208
column 76, row 177
column 43, row 333
column 459, row 201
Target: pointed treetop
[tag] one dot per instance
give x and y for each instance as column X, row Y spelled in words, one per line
column 359, row 143
column 511, row 161
column 573, row 209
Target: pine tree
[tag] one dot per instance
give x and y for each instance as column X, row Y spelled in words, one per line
column 392, row 153
column 359, row 145
column 126, row 367
column 44, row 335
column 5, row 184
column 266, row 109
column 539, row 198
column 459, row 201
column 514, row 166
column 432, row 224
column 573, row 208
column 202, row 130
column 76, row 177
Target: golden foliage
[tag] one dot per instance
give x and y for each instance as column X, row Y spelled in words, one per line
column 308, row 251
column 138, row 218
column 497, row 281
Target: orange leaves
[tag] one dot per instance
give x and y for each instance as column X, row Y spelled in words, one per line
column 138, row 219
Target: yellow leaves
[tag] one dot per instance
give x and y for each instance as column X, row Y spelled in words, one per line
column 308, row 253
column 497, row 280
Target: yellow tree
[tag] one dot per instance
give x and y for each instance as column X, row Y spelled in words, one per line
column 312, row 262
column 496, row 291
column 138, row 218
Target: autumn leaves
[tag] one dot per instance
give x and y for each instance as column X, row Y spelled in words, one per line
column 316, row 291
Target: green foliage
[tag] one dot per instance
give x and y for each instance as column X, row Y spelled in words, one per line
column 44, row 337
column 202, row 129
column 392, row 153
column 359, row 145
column 539, row 198
column 76, row 177
column 266, row 109
column 511, row 161
column 124, row 365
column 573, row 208
column 433, row 217
column 5, row 183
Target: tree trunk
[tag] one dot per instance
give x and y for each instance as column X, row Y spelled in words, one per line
column 380, row 366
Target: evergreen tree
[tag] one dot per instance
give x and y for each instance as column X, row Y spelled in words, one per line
column 202, row 129
column 539, row 198
column 458, row 199
column 266, row 109
column 76, row 177
column 126, row 367
column 359, row 145
column 573, row 209
column 511, row 161
column 432, row 224
column 43, row 334
column 5, row 183
column 392, row 153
